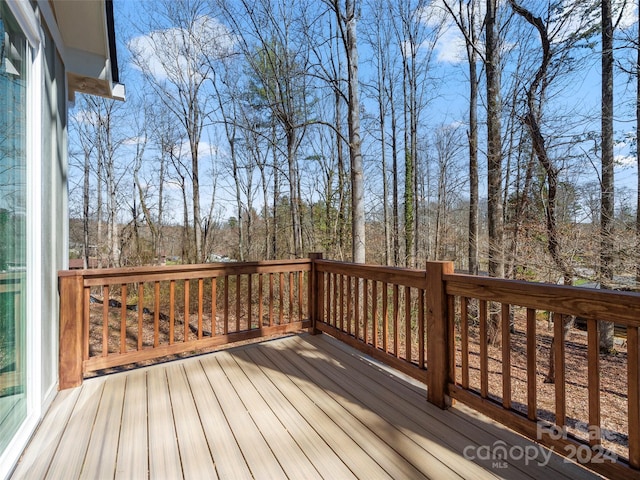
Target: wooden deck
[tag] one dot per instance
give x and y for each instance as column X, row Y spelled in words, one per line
column 300, row 407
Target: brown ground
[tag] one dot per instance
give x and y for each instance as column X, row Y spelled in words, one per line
column 613, row 380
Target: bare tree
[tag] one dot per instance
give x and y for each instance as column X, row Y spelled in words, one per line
column 273, row 44
column 494, row 143
column 447, row 144
column 346, row 16
column 176, row 62
column 607, row 173
column 466, row 19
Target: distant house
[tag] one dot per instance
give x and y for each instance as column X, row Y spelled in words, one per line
column 49, row 49
column 78, row 263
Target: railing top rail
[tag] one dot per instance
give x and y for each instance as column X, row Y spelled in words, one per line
column 394, row 275
column 609, row 305
column 107, row 276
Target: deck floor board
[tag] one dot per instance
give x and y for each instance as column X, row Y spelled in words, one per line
column 296, row 407
column 133, row 461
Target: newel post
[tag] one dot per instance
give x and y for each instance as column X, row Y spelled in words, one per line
column 315, row 296
column 70, row 288
column 437, row 334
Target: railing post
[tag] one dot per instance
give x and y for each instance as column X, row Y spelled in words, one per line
column 314, row 299
column 437, row 334
column 70, row 288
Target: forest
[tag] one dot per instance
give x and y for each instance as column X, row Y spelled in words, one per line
column 499, row 134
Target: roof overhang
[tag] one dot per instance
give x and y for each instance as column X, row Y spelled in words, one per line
column 87, row 30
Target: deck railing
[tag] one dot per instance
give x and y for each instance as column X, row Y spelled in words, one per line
column 489, row 343
column 486, row 342
column 113, row 317
column 378, row 310
column 560, row 391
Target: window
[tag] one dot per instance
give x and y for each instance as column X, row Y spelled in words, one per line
column 13, row 199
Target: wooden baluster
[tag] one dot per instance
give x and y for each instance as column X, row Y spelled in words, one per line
column 172, row 312
column 396, row 318
column 335, row 300
column 186, row 311
column 385, row 316
column 464, row 340
column 86, row 320
column 249, row 301
column 349, row 303
column 225, row 325
column 341, row 325
column 123, row 318
column 140, row 313
column 532, row 385
column 374, row 312
column 260, row 302
column 407, row 322
column 300, row 289
column 238, row 289
column 156, row 314
column 328, row 311
column 421, row 329
column 559, row 369
column 633, row 395
column 484, row 358
column 321, row 315
column 200, row 306
column 214, row 306
column 105, row 320
column 356, row 307
column 281, row 299
column 593, row 373
column 365, row 310
column 291, row 316
column 271, row 300
column 451, row 335
column 506, row 356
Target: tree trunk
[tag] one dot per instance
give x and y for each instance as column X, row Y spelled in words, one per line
column 194, row 138
column 293, row 193
column 355, row 153
column 236, row 179
column 383, row 153
column 276, row 195
column 607, row 187
column 494, row 145
column 473, row 155
column 99, row 212
column 85, row 209
column 395, row 179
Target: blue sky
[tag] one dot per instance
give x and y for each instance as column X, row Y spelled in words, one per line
column 448, row 105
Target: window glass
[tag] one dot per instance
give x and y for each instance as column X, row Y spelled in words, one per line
column 13, row 124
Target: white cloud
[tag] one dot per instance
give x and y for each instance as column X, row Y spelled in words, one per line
column 205, row 150
column 81, row 116
column 451, row 47
column 625, row 160
column 176, row 52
